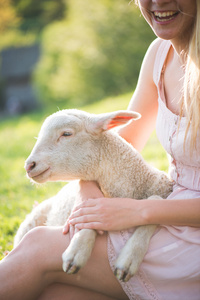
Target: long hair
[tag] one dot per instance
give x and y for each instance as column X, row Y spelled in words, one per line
column 192, row 82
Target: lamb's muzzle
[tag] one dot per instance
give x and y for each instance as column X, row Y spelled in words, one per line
column 37, row 172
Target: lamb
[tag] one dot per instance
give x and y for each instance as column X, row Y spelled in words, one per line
column 74, row 145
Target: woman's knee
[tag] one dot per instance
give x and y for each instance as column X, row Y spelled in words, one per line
column 31, row 244
column 47, row 245
column 33, row 238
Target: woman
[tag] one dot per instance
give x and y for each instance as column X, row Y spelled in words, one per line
column 168, row 90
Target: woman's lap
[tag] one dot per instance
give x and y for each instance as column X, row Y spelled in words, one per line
column 95, row 276
column 172, row 261
column 67, row 292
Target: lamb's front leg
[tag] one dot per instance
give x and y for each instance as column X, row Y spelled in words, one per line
column 79, row 250
column 133, row 252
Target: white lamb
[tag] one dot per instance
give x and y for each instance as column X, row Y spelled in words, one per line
column 75, row 145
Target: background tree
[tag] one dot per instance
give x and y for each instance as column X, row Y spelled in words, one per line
column 90, row 49
column 95, row 52
column 36, row 14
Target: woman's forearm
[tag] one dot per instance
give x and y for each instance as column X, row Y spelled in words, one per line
column 172, row 212
column 122, row 213
column 89, row 189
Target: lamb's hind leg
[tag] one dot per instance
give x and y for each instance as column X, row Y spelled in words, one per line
column 132, row 254
column 37, row 217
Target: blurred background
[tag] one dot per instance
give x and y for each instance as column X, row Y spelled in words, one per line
column 57, row 54
column 68, row 52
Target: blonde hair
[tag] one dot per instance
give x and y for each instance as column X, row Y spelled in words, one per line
column 192, row 82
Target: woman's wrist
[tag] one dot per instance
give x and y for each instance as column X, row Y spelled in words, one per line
column 177, row 212
column 89, row 189
column 144, row 212
column 153, row 211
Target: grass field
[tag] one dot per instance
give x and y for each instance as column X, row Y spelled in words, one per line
column 17, row 194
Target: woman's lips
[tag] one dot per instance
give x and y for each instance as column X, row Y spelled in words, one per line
column 165, row 16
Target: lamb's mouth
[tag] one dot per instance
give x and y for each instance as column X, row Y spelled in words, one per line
column 40, row 176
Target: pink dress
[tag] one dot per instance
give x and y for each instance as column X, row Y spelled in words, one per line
column 171, row 268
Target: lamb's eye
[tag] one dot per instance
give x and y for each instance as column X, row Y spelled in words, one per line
column 67, row 133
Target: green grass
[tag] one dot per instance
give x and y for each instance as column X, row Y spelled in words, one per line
column 17, row 194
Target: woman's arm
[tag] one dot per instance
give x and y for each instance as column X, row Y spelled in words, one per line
column 144, row 101
column 180, row 212
column 122, row 213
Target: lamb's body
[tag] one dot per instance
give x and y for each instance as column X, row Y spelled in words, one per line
column 123, row 172
column 117, row 167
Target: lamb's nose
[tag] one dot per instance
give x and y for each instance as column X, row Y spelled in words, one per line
column 30, row 166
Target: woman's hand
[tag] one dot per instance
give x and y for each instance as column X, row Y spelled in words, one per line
column 85, row 190
column 68, row 228
column 106, row 214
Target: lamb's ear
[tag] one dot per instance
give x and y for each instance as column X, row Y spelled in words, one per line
column 108, row 121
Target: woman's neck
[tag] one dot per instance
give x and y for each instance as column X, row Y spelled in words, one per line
column 181, row 48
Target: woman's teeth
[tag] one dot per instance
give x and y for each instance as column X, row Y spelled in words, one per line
column 164, row 16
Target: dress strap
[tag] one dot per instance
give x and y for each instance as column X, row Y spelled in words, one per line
column 161, row 55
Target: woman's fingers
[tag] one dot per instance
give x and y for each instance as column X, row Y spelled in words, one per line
column 101, row 232
column 88, row 203
column 80, row 210
column 66, row 227
column 90, row 225
column 71, row 231
column 99, row 214
column 88, row 218
column 84, row 210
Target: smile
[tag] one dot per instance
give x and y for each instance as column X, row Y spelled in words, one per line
column 164, row 16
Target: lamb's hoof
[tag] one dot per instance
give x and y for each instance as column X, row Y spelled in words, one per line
column 70, row 268
column 122, row 275
column 125, row 267
column 73, row 260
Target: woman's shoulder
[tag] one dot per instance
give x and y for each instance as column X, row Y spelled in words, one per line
column 155, row 56
column 154, row 46
column 149, row 58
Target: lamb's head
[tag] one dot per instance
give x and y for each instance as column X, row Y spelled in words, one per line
column 68, row 143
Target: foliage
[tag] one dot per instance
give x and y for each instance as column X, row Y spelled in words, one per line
column 17, row 194
column 21, row 21
column 8, row 16
column 95, row 52
column 36, row 14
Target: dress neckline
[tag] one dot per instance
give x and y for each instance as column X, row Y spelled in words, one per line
column 161, row 90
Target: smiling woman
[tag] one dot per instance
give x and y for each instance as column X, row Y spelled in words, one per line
column 171, row 66
column 170, row 19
